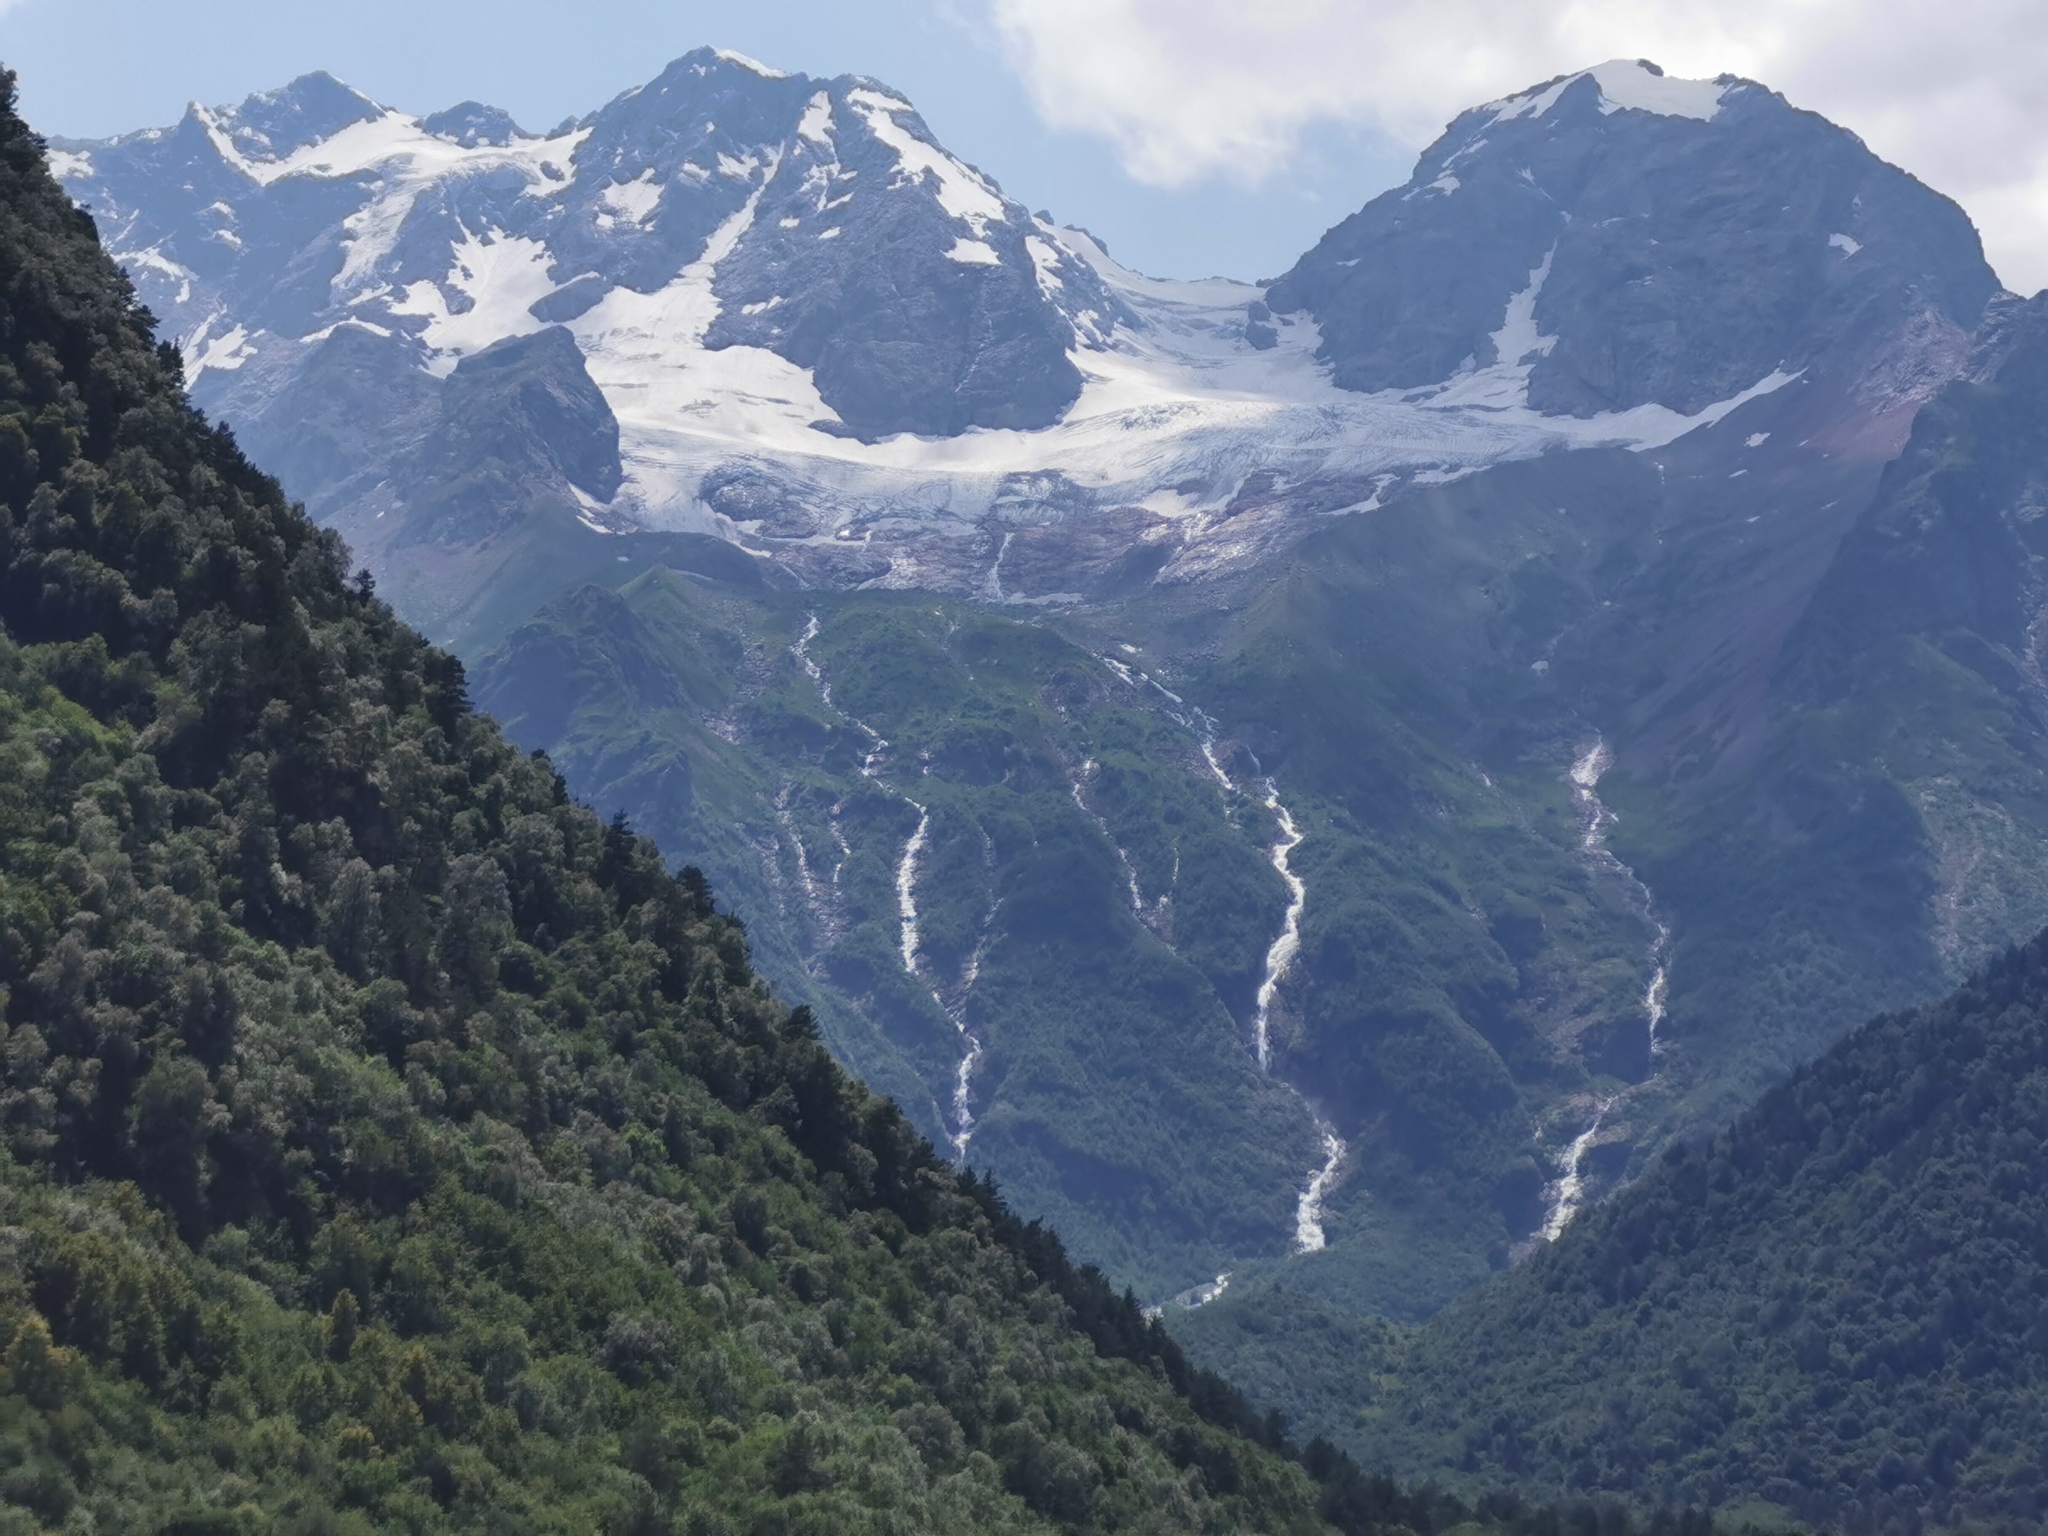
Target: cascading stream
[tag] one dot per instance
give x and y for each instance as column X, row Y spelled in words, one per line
column 906, row 886
column 1571, row 1189
column 906, row 895
column 1308, row 1210
column 1568, row 1195
column 1284, row 948
column 1309, row 1236
column 806, row 877
column 1123, row 858
column 906, row 910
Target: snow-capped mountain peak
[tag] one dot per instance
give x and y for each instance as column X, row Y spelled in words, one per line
column 1687, row 232
column 895, row 274
column 814, row 330
column 1624, row 85
column 271, row 125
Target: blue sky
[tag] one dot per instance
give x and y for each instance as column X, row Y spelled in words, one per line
column 92, row 68
column 1195, row 136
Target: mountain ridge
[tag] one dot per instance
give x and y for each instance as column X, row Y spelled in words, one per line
column 313, row 1222
column 1825, row 1308
column 1144, row 611
column 391, row 1143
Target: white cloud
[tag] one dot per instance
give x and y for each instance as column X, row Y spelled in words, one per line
column 1956, row 91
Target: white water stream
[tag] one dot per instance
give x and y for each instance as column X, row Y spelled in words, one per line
column 906, row 896
column 1568, row 1195
column 1123, row 858
column 970, row 1047
column 1284, row 948
column 1308, row 1210
column 1309, row 1236
column 906, row 886
column 992, row 585
column 1571, row 1189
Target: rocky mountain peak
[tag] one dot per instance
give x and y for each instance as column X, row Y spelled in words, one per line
column 1635, row 238
column 272, row 124
column 471, row 123
column 819, row 222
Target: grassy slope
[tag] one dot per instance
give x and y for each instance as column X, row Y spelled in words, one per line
column 1464, row 972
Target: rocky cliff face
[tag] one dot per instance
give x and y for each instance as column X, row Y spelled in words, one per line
column 1649, row 240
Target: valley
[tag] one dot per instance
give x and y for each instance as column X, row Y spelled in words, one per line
column 1336, row 795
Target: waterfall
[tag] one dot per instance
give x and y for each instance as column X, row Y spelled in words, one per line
column 1594, row 820
column 992, row 584
column 963, row 1075
column 1568, row 1195
column 1280, row 956
column 1309, row 1236
column 906, row 892
column 1123, row 859
column 807, row 879
column 1284, row 948
column 906, row 886
column 801, row 650
column 1655, row 994
column 1308, row 1210
column 1594, row 817
column 970, row 1046
column 1571, row 1189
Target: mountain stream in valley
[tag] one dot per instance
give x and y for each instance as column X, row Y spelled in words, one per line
column 1309, row 1236
column 1568, row 1194
column 906, row 897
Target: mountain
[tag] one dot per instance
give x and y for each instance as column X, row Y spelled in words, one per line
column 1670, row 242
column 1336, row 792
column 801, row 244
column 1827, row 1308
column 757, row 349
column 461, row 229
column 1006, row 881
column 391, row 1143
column 1833, row 1307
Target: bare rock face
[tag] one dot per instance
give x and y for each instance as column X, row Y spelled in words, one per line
column 1671, row 242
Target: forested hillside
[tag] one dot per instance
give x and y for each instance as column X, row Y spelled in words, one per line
column 392, row 1145
column 1836, row 1307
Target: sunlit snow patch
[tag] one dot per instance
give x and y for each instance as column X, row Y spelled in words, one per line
column 1626, row 85
column 227, row 352
column 154, row 260
column 732, row 56
column 633, row 200
column 501, row 275
column 962, row 193
column 816, row 124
